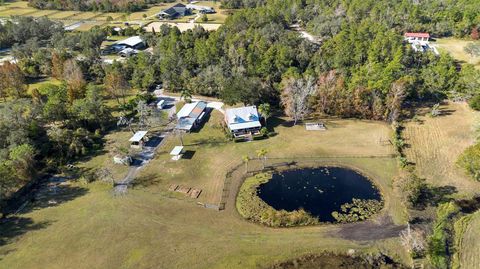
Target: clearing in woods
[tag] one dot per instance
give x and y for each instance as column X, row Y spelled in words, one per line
column 154, row 228
column 456, row 47
column 434, row 144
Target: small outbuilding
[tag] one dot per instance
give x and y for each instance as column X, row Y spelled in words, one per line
column 191, row 115
column 243, row 122
column 177, row 153
column 133, row 42
column 138, row 139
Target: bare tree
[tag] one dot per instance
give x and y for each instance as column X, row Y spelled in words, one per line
column 124, row 121
column 143, row 115
column 395, row 99
column 413, row 240
column 295, row 96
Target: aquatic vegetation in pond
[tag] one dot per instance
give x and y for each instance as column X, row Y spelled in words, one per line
column 357, row 210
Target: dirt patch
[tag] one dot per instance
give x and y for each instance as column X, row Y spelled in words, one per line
column 334, row 261
column 378, row 229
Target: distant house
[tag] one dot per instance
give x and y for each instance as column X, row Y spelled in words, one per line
column 420, row 42
column 417, row 37
column 191, row 115
column 243, row 122
column 176, row 11
column 129, row 45
column 128, row 52
column 201, row 9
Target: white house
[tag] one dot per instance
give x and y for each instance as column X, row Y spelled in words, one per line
column 243, row 122
column 420, row 42
column 201, row 9
column 417, row 37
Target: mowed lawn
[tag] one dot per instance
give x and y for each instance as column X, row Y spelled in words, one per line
column 211, row 156
column 456, row 47
column 152, row 228
column 434, row 145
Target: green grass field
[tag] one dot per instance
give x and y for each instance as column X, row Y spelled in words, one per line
column 470, row 245
column 153, row 228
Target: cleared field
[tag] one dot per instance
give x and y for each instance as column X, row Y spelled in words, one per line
column 42, row 13
column 62, row 15
column 17, row 12
column 455, row 48
column 210, row 149
column 153, row 228
column 182, row 26
column 436, row 143
column 84, row 15
column 88, row 25
column 148, row 12
column 469, row 255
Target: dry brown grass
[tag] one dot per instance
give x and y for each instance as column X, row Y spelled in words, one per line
column 154, row 228
column 456, row 47
column 436, row 143
column 214, row 156
column 469, row 256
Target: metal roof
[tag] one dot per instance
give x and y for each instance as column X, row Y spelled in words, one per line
column 245, row 125
column 192, row 110
column 131, row 41
column 138, row 136
column 176, row 150
column 241, row 114
column 427, row 35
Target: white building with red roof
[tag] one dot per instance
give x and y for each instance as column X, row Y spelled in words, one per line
column 417, row 37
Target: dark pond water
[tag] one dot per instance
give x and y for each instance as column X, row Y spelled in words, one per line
column 319, row 191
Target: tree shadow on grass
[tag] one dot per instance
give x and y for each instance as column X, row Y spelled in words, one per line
column 208, row 141
column 433, row 196
column 12, row 227
column 146, row 181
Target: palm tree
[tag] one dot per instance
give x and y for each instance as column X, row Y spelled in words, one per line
column 246, row 159
column 262, row 154
column 265, row 111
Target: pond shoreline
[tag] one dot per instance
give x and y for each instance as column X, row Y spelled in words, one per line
column 293, row 166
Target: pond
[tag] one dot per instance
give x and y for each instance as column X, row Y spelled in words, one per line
column 319, row 191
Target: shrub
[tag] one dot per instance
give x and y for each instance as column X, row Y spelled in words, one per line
column 470, row 161
column 441, row 236
column 264, row 132
column 475, row 102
